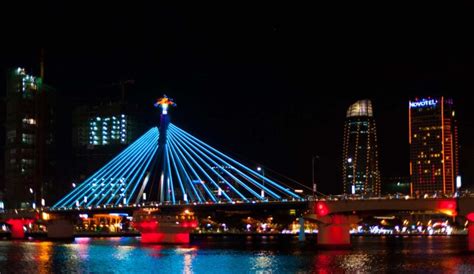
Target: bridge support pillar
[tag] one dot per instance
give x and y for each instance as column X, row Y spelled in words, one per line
column 334, row 231
column 470, row 236
column 16, row 227
column 165, row 237
column 60, row 229
column 301, row 235
column 165, row 229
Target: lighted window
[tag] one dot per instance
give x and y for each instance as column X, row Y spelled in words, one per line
column 26, row 166
column 108, row 130
column 28, row 139
column 29, row 121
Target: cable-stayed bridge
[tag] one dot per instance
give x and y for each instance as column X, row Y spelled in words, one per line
column 170, row 166
column 168, row 177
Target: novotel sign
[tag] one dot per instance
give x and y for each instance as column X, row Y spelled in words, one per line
column 424, row 103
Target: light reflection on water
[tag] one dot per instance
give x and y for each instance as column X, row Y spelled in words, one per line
column 127, row 255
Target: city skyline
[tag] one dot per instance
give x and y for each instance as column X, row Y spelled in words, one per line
column 257, row 83
column 292, row 137
column 329, row 161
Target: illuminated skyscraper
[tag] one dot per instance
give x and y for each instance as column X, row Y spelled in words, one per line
column 360, row 160
column 433, row 145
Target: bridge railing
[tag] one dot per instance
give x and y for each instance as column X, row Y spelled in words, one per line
column 462, row 194
column 308, row 198
column 177, row 203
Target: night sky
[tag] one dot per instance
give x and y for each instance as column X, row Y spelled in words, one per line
column 269, row 84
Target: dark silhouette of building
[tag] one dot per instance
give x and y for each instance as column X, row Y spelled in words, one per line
column 30, row 162
column 396, row 185
column 433, row 142
column 360, row 160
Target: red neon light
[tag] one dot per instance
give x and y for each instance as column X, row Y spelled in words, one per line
column 16, row 227
column 447, row 207
column 443, row 153
column 321, row 209
column 470, row 236
column 470, row 217
column 192, row 224
column 171, row 238
column 339, row 219
column 336, row 233
column 146, row 226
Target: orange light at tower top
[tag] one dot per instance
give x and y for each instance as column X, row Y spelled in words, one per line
column 163, row 103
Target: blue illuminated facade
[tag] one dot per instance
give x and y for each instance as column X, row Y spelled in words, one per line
column 100, row 132
column 424, row 102
column 105, row 130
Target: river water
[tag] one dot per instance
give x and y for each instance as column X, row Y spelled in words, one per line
column 435, row 254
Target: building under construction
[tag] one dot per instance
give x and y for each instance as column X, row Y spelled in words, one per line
column 30, row 157
column 100, row 131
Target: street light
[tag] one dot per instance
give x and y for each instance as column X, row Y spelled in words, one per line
column 33, row 204
column 313, row 174
column 259, row 169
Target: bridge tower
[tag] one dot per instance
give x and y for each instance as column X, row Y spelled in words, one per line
column 164, row 103
column 156, row 227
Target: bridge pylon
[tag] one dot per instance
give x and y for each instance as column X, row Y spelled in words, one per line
column 162, row 156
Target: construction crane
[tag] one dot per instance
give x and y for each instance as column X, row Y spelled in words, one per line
column 122, row 84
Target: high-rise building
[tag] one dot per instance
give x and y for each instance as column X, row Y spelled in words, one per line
column 360, row 168
column 433, row 145
column 30, row 140
column 100, row 132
